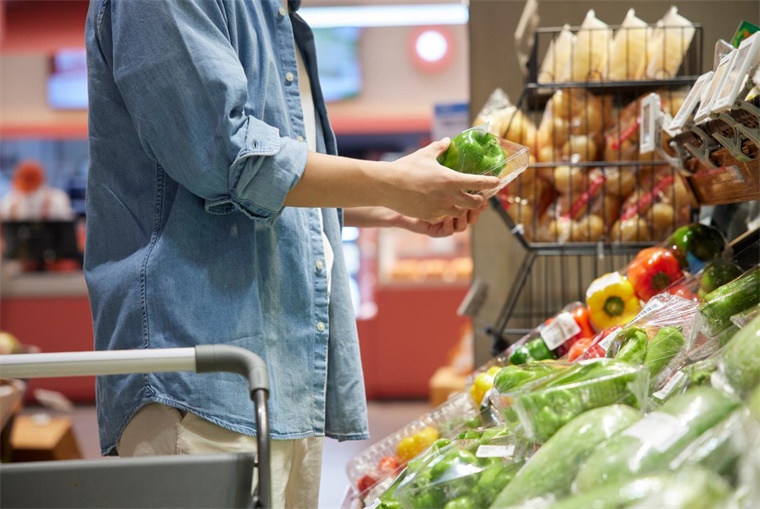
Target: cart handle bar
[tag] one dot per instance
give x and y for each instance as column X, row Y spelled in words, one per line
column 201, row 359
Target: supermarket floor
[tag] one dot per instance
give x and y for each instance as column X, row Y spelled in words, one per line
column 384, row 419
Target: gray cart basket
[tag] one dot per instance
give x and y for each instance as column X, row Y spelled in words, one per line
column 157, row 481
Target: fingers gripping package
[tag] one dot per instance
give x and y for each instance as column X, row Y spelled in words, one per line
column 478, row 152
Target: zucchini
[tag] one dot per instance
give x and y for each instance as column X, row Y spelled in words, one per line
column 552, row 468
column 741, row 358
column 653, row 442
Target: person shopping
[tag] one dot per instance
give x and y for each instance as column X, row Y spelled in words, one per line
column 215, row 202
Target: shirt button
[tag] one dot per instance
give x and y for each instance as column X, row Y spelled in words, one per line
column 299, row 137
column 282, row 12
column 289, row 77
column 321, row 327
column 320, row 265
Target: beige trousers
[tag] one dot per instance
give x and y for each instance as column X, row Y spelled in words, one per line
column 296, row 465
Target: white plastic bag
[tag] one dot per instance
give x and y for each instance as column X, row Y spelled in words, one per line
column 669, row 44
column 591, row 50
column 557, row 59
column 629, row 49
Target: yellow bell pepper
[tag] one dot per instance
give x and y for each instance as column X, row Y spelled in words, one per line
column 482, row 384
column 611, row 300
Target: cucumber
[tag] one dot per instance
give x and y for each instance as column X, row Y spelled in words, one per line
column 656, row 440
column 692, row 487
column 552, row 468
column 741, row 358
column 732, row 298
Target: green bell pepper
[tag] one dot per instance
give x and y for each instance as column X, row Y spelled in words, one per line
column 634, row 349
column 512, row 377
column 664, row 347
column 535, row 350
column 476, row 152
column 696, row 244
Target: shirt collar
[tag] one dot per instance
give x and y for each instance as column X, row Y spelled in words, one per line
column 294, row 5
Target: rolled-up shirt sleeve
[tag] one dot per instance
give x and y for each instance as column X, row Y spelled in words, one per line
column 187, row 93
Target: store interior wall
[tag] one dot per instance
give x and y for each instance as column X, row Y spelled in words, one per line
column 493, row 63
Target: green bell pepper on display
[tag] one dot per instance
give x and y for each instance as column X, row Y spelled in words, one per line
column 696, row 244
column 634, row 345
column 535, row 350
column 512, row 377
column 476, row 152
column 664, row 346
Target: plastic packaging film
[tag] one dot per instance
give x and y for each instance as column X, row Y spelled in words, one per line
column 628, row 55
column 670, row 42
column 591, row 51
column 543, row 410
column 554, row 68
column 657, row 439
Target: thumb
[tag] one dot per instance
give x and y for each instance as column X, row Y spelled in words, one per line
column 440, row 146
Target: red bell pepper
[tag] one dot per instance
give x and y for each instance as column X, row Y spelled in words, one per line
column 595, row 350
column 653, row 270
column 682, row 290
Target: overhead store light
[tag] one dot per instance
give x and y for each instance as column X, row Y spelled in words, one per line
column 385, row 15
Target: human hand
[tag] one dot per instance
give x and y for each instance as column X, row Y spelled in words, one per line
column 444, row 228
column 418, row 187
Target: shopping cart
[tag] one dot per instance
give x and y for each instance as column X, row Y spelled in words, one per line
column 206, row 481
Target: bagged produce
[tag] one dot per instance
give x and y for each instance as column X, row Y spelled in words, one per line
column 692, row 487
column 652, row 443
column 518, row 379
column 740, row 363
column 628, row 54
column 591, row 50
column 669, row 44
column 556, row 64
column 466, row 473
column 506, row 121
column 552, row 468
column 728, row 300
column 547, row 407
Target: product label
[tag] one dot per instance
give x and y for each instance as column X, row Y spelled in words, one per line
column 653, row 305
column 495, row 451
column 657, row 430
column 562, row 328
column 668, row 388
column 375, row 503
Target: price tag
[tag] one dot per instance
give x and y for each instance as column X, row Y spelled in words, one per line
column 562, row 328
column 487, row 398
column 495, row 451
column 657, row 430
column 375, row 503
column 668, row 388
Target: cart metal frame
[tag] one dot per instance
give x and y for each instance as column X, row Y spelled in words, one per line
column 200, row 359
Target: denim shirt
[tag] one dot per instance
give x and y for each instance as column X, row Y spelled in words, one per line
column 195, row 129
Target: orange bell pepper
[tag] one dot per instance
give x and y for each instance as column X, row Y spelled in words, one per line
column 653, row 270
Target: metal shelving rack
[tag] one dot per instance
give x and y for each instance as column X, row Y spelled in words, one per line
column 552, row 263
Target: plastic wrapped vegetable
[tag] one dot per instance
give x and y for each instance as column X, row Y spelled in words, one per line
column 670, row 41
column 552, row 468
column 628, row 55
column 695, row 245
column 611, row 300
column 514, row 380
column 591, row 51
column 653, row 270
column 533, row 350
column 634, row 342
column 478, row 152
column 663, row 348
column 740, row 364
column 465, row 474
column 550, row 405
column 716, row 274
column 657, row 439
column 694, row 487
column 721, row 304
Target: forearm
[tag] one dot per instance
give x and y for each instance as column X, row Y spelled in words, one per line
column 333, row 181
column 370, row 217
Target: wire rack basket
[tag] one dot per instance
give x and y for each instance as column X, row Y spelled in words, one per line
column 590, row 198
